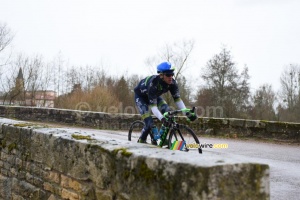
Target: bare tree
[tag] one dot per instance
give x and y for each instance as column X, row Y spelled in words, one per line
column 185, row 90
column 101, row 76
column 263, row 103
column 8, row 83
column 289, row 107
column 27, row 81
column 178, row 54
column 230, row 89
column 123, row 93
column 89, row 77
column 73, row 77
column 6, row 38
column 290, row 85
column 58, row 66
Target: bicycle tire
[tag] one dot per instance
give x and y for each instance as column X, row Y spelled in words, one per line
column 135, row 130
column 184, row 133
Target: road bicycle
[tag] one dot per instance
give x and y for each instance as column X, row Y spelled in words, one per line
column 177, row 134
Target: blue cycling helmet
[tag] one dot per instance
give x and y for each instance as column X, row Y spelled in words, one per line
column 165, row 67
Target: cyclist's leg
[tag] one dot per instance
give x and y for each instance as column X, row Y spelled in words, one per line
column 163, row 107
column 146, row 129
column 146, row 116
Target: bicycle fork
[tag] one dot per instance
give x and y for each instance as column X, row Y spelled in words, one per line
column 182, row 139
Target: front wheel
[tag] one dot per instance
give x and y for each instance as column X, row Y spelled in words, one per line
column 183, row 134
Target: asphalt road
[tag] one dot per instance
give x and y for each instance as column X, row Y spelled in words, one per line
column 283, row 160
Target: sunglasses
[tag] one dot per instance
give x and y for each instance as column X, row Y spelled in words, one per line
column 169, row 75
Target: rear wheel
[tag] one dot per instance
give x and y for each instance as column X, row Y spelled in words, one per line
column 135, row 130
column 185, row 134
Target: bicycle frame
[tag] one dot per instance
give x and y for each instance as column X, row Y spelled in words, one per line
column 172, row 124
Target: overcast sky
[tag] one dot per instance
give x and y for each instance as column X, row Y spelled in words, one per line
column 262, row 34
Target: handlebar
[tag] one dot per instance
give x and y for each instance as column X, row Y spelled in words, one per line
column 175, row 112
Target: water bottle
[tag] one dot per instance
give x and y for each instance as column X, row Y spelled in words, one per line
column 155, row 132
column 162, row 130
column 163, row 134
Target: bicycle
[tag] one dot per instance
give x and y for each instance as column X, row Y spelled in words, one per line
column 174, row 130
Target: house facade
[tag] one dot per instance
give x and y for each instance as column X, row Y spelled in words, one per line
column 40, row 98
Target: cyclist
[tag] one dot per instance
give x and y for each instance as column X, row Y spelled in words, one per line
column 148, row 95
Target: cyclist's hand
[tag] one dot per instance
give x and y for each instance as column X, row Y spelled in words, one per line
column 164, row 121
column 166, row 115
column 191, row 116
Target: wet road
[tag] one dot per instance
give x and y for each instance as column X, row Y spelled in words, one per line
column 283, row 160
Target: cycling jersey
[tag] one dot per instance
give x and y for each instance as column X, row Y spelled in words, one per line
column 151, row 87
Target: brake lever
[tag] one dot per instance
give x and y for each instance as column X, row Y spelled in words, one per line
column 193, row 109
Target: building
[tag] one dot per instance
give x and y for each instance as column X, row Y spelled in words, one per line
column 19, row 96
column 40, row 98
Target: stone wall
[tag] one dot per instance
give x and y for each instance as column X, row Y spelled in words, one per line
column 227, row 127
column 98, row 120
column 48, row 163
